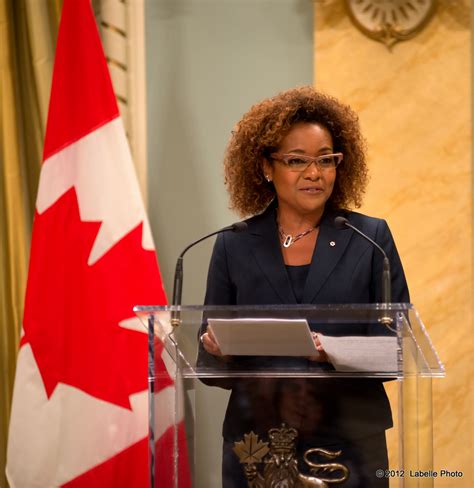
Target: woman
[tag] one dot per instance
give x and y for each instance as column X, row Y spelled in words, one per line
column 295, row 162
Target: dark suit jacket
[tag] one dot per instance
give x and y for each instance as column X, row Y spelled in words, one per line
column 248, row 269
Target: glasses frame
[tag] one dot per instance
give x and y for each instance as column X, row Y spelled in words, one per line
column 283, row 158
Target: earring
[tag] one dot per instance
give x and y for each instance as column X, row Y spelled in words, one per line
column 268, row 178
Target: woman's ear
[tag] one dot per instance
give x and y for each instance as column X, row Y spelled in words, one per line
column 267, row 170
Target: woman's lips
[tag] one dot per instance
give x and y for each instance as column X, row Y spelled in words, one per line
column 312, row 189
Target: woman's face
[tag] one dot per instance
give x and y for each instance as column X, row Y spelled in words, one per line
column 304, row 192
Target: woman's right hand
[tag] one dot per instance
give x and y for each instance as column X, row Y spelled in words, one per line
column 210, row 344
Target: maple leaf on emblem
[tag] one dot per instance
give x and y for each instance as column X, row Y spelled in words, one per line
column 72, row 310
column 251, row 450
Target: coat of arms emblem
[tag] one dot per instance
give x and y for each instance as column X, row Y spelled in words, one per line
column 274, row 464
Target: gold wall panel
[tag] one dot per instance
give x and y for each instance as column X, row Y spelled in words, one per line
column 415, row 109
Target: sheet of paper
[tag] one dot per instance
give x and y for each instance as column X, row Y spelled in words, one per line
column 357, row 353
column 263, row 337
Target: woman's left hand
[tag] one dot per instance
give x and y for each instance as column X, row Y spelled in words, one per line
column 322, row 357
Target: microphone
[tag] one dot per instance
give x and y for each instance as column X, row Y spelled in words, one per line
column 342, row 223
column 178, row 274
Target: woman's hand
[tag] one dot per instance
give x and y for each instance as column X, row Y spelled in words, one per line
column 322, row 356
column 210, row 344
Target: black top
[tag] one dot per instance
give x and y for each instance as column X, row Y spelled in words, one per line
column 297, row 276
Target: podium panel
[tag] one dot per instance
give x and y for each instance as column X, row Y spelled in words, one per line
column 266, row 416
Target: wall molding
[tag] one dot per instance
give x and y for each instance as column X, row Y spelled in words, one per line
column 122, row 27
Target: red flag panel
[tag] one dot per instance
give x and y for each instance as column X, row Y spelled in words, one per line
column 82, row 97
column 72, row 310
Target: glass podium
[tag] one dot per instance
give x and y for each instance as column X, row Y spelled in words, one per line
column 265, row 415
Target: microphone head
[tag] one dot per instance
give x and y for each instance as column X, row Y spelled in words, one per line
column 239, row 227
column 340, row 222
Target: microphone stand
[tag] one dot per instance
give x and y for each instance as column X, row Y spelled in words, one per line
column 341, row 222
column 178, row 274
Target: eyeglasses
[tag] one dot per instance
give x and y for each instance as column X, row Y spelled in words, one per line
column 299, row 162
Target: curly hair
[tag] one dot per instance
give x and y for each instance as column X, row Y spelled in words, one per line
column 260, row 132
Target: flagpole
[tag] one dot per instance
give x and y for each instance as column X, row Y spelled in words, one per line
column 151, row 399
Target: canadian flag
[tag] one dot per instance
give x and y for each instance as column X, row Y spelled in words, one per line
column 80, row 408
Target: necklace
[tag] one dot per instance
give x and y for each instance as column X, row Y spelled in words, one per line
column 287, row 239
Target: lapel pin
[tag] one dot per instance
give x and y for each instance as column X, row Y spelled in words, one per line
column 332, row 243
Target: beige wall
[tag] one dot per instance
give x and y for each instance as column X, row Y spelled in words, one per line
column 415, row 109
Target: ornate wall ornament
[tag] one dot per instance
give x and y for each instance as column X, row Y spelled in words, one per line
column 390, row 21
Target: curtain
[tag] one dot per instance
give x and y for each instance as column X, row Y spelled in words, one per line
column 28, row 30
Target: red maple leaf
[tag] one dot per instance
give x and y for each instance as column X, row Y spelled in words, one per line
column 72, row 310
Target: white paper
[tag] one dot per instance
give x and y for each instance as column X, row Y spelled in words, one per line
column 357, row 353
column 263, row 337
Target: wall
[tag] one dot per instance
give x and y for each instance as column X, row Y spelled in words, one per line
column 415, row 107
column 208, row 62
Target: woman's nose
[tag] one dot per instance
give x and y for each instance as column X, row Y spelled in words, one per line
column 313, row 171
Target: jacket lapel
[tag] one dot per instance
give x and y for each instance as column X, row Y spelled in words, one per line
column 330, row 247
column 268, row 256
